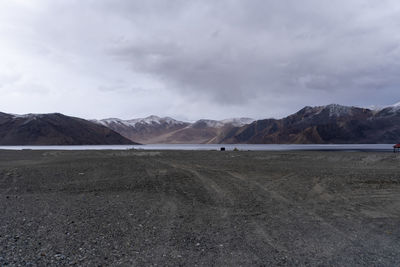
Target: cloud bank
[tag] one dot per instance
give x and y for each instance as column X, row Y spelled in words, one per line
column 194, row 59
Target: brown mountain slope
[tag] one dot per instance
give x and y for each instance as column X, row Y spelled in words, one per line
column 54, row 129
column 322, row 125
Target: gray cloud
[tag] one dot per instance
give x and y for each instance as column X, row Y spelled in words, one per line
column 206, row 58
column 263, row 47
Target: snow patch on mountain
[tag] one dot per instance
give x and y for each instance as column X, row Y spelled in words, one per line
column 238, row 122
column 30, row 115
column 154, row 120
column 109, row 121
column 391, row 110
column 150, row 120
column 336, row 110
column 396, row 106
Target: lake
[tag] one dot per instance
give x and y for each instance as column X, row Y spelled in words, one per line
column 251, row 147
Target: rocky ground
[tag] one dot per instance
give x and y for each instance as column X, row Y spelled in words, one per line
column 202, row 208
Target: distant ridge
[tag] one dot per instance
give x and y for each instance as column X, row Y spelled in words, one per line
column 331, row 124
column 154, row 129
column 55, row 129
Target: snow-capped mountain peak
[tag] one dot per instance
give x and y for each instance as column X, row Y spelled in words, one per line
column 336, row 110
column 109, row 121
column 333, row 110
column 396, row 106
column 150, row 120
column 238, row 122
column 30, row 115
column 154, row 120
column 391, row 110
column 235, row 122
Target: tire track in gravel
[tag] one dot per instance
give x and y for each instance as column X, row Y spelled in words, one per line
column 219, row 195
column 222, row 202
column 294, row 208
column 220, row 183
column 265, row 188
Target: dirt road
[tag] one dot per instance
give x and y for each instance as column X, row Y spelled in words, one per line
column 200, row 208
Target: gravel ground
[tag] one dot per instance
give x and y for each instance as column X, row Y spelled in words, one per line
column 199, row 208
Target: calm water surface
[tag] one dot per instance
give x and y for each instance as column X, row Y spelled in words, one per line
column 347, row 147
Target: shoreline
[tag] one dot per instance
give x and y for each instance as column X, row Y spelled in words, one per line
column 214, row 147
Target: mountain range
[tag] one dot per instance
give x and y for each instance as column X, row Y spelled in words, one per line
column 328, row 124
column 311, row 125
column 153, row 129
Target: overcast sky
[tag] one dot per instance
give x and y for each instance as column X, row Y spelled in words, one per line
column 196, row 59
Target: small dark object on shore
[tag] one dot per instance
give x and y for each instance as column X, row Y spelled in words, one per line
column 222, row 148
column 396, row 148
